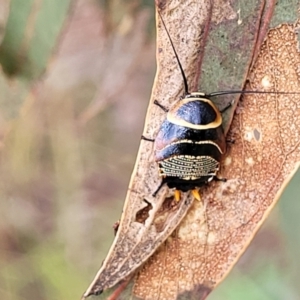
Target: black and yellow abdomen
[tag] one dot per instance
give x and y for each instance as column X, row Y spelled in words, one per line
column 190, row 143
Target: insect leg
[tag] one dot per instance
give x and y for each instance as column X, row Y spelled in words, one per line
column 226, row 107
column 216, row 178
column 177, row 195
column 159, row 187
column 161, row 106
column 147, row 139
column 196, row 194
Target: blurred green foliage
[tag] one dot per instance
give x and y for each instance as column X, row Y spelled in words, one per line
column 63, row 175
column 31, row 33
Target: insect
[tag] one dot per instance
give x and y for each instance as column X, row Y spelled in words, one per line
column 190, row 144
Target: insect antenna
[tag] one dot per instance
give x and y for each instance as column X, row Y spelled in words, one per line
column 220, row 93
column 186, row 88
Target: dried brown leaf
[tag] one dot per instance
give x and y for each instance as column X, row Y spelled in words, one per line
column 148, row 221
column 264, row 157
